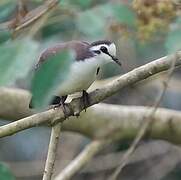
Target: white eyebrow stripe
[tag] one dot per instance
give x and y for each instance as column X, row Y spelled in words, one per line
column 112, row 49
column 97, row 47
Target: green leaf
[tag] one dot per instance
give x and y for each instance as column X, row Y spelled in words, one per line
column 94, row 22
column 16, row 60
column 173, row 41
column 6, row 9
column 91, row 23
column 4, row 36
column 5, row 173
column 49, row 76
column 80, row 3
column 124, row 14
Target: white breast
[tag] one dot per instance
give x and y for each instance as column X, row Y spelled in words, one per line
column 82, row 75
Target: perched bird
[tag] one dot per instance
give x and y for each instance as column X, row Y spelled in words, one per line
column 88, row 61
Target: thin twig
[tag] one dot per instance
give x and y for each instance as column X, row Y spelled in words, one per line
column 35, row 14
column 85, row 156
column 22, row 8
column 55, row 134
column 30, row 17
column 147, row 120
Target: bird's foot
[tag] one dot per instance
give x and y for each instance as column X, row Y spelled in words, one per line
column 60, row 102
column 77, row 114
column 63, row 105
column 85, row 99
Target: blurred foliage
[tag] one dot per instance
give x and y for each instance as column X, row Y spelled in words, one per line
column 123, row 14
column 99, row 16
column 174, row 174
column 5, row 173
column 6, row 9
column 14, row 61
column 148, row 24
column 78, row 3
column 48, row 76
column 173, row 40
column 4, row 36
column 142, row 29
column 153, row 16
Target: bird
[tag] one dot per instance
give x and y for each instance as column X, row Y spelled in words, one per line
column 89, row 58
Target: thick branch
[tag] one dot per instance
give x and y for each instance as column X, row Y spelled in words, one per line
column 96, row 96
column 144, row 127
column 103, row 121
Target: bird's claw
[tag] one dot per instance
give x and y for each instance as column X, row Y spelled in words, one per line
column 85, row 99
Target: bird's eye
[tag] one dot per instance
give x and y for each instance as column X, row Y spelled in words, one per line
column 97, row 51
column 103, row 49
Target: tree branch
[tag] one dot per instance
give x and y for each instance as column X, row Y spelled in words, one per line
column 85, row 156
column 52, row 149
column 145, row 125
column 54, row 116
column 26, row 19
column 103, row 121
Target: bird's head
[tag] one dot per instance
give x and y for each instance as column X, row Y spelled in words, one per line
column 104, row 50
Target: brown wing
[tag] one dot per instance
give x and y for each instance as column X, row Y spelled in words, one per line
column 81, row 49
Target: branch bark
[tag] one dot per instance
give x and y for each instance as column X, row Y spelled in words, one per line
column 52, row 116
column 144, row 127
column 85, row 156
column 103, row 121
column 52, row 149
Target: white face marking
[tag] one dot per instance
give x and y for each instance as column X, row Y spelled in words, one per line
column 112, row 49
column 103, row 56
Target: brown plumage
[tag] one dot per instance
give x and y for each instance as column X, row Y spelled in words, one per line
column 95, row 43
column 84, row 70
column 81, row 49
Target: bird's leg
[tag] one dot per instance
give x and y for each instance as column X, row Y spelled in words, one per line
column 63, row 98
column 31, row 104
column 56, row 100
column 85, row 99
column 60, row 101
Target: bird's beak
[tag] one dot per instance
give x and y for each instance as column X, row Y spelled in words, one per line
column 115, row 59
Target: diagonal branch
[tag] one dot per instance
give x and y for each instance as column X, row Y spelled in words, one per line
column 27, row 18
column 55, row 116
column 145, row 125
column 85, row 156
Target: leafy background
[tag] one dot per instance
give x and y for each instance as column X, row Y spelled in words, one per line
column 143, row 31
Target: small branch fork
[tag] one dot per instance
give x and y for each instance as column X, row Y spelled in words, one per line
column 94, row 147
column 24, row 18
column 57, row 116
column 147, row 121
